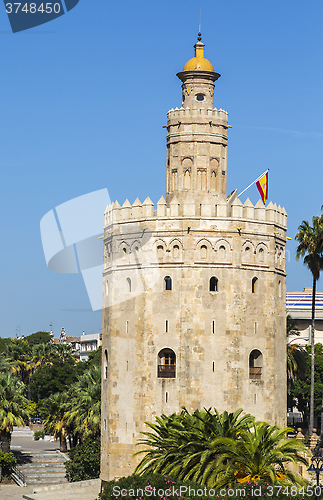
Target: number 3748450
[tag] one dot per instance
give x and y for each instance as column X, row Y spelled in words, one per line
column 32, row 8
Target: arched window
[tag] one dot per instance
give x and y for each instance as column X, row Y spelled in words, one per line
column 175, row 251
column 279, row 288
column 213, row 180
column 160, row 251
column 261, row 255
column 214, row 284
column 203, row 252
column 255, row 365
column 254, row 284
column 166, row 364
column 129, row 284
column 105, row 361
column 167, row 283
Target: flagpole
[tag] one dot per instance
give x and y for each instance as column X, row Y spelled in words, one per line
column 260, row 176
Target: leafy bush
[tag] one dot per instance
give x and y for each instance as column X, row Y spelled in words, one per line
column 84, row 461
column 6, row 459
column 135, row 486
column 126, row 487
column 39, row 435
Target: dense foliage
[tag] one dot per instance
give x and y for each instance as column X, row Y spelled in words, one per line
column 84, row 461
column 218, row 450
column 39, row 379
column 310, row 249
column 141, row 487
column 12, row 412
column 300, row 390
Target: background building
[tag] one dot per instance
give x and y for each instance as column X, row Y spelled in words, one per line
column 89, row 342
column 193, row 288
column 299, row 307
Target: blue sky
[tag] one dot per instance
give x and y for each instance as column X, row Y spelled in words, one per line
column 82, row 104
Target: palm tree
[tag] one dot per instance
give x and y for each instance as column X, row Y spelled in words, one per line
column 310, row 248
column 217, row 450
column 55, row 420
column 18, row 351
column 12, row 403
column 186, row 446
column 42, row 354
column 296, row 355
column 83, row 408
column 261, row 454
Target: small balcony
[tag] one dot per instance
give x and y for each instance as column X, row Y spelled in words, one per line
column 166, row 371
column 255, row 373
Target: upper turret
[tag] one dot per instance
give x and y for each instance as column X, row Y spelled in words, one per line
column 197, row 136
column 198, row 76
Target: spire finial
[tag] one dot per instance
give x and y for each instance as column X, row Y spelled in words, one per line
column 199, row 36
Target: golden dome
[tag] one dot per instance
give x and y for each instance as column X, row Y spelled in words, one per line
column 198, row 63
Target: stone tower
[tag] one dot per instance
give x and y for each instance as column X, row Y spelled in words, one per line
column 193, row 289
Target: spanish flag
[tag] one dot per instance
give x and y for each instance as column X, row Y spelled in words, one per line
column 262, row 185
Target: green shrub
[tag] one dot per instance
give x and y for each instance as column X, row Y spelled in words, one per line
column 39, row 435
column 6, row 459
column 142, row 487
column 84, row 461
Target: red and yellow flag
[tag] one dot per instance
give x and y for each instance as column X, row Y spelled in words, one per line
column 262, row 186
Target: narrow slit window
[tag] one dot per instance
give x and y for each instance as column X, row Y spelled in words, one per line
column 129, row 284
column 213, row 365
column 127, row 326
column 166, row 325
column 107, row 288
column 105, row 364
column 213, row 326
column 256, row 328
column 166, row 397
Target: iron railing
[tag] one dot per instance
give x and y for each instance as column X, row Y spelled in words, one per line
column 254, row 373
column 166, row 371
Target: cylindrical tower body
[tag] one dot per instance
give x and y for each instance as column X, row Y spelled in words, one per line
column 193, row 292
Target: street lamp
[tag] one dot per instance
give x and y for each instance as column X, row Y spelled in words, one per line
column 317, row 467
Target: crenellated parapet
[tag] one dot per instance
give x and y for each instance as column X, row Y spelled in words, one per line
column 187, row 209
column 219, row 116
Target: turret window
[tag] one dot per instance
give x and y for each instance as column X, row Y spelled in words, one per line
column 175, row 251
column 200, row 97
column 203, row 252
column 160, row 251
